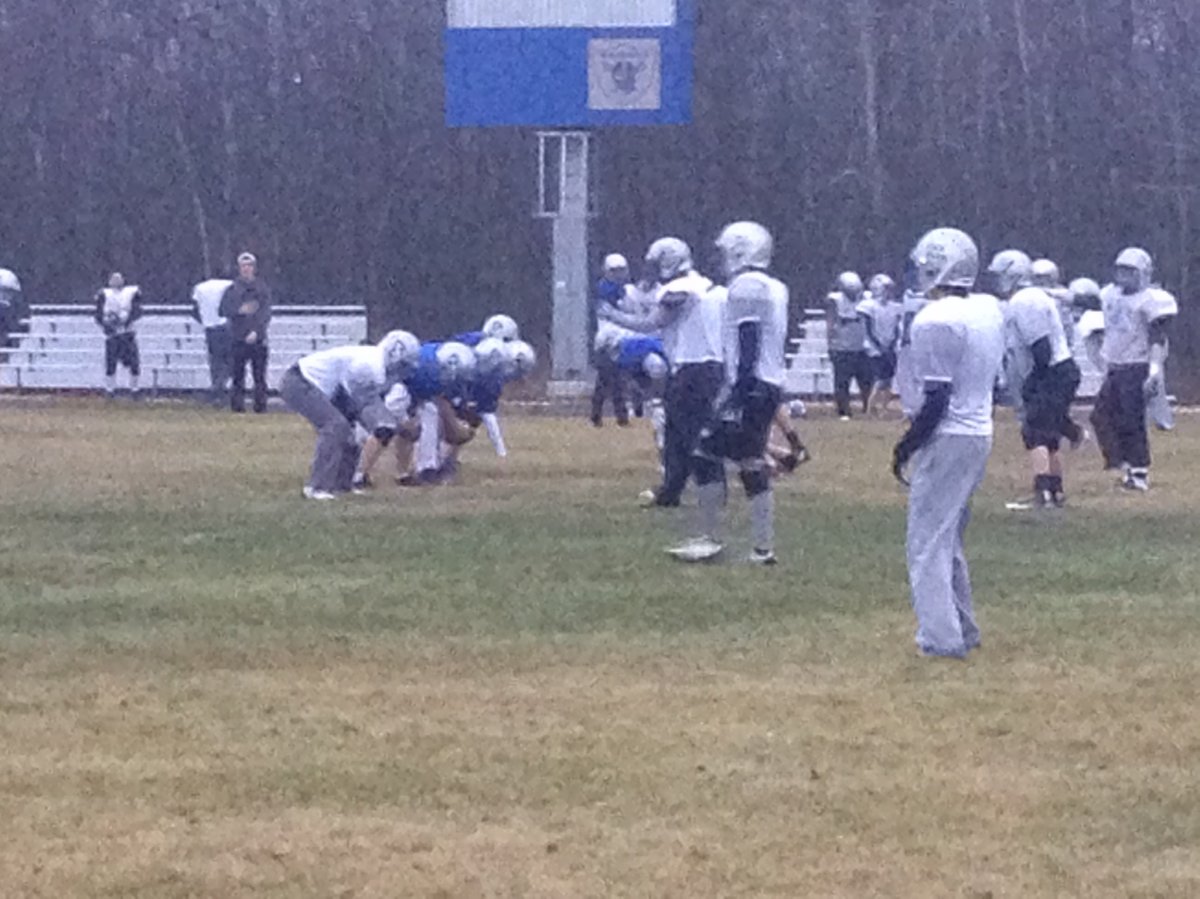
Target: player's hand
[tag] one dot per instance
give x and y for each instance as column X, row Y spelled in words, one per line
column 900, row 459
column 1153, row 383
column 604, row 312
column 252, row 337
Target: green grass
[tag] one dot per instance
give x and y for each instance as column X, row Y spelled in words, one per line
column 214, row 688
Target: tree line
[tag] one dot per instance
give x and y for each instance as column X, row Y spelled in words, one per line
column 161, row 139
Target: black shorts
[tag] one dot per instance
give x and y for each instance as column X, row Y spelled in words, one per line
column 741, row 431
column 1048, row 395
column 121, row 349
column 883, row 368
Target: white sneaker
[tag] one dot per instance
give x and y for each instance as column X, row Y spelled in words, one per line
column 322, row 495
column 698, row 549
column 647, row 498
column 843, row 418
column 762, row 557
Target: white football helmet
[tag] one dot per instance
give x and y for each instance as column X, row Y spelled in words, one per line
column 745, row 245
column 456, row 362
column 9, row 281
column 1011, row 270
column 1084, row 287
column 654, row 367
column 944, row 257
column 850, row 284
column 1045, row 273
column 668, row 258
column 502, row 327
column 492, row 356
column 524, row 359
column 1140, row 262
column 401, row 351
column 882, row 287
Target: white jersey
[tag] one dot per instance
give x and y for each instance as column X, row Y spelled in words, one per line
column 910, row 390
column 1091, row 336
column 758, row 298
column 640, row 302
column 1127, row 320
column 696, row 333
column 356, row 373
column 848, row 333
column 885, row 324
column 960, row 341
column 1064, row 301
column 1031, row 315
column 207, row 297
column 117, row 306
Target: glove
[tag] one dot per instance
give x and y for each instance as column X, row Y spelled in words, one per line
column 901, row 456
column 1153, row 383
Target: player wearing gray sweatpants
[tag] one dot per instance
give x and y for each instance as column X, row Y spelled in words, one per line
column 946, row 472
column 336, row 455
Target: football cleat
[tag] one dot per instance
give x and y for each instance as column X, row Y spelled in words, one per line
column 763, row 557
column 322, row 495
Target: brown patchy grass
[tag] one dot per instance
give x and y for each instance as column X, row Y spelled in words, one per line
column 212, row 689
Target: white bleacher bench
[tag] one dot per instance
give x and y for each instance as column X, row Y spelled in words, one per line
column 63, row 348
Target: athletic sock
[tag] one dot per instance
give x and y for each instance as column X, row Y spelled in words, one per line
column 1043, row 487
column 762, row 521
column 711, row 504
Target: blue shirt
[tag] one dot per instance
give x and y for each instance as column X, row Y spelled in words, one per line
column 425, row 382
column 634, row 350
column 470, row 338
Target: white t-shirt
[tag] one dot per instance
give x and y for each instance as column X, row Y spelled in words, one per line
column 354, row 371
column 207, row 297
column 1032, row 314
column 757, row 297
column 1127, row 320
column 960, row 341
column 697, row 332
column 1091, row 335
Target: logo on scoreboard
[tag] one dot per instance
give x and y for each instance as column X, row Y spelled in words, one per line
column 624, row 74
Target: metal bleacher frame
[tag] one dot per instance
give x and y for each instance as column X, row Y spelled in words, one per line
column 60, row 347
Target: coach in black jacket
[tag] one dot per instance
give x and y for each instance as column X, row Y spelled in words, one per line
column 247, row 307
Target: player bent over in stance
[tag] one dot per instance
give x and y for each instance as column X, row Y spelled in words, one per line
column 334, row 389
column 957, row 353
column 755, row 335
column 1041, row 371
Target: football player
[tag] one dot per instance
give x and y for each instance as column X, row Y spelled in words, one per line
column 882, row 311
column 957, row 348
column 118, row 307
column 755, row 337
column 1137, row 322
column 336, row 389
column 1041, row 371
column 847, row 336
column 689, row 317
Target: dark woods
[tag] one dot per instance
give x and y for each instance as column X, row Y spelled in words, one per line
column 160, row 138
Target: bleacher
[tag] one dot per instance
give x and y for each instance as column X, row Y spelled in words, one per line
column 63, row 348
column 810, row 372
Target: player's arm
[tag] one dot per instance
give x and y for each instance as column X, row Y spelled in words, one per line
column 196, row 309
column 936, row 351
column 923, row 427
column 135, row 308
column 491, row 424
column 869, row 321
column 667, row 310
column 99, row 316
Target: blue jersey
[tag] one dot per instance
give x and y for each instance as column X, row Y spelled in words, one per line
column 634, row 350
column 485, row 394
column 470, row 338
column 425, row 382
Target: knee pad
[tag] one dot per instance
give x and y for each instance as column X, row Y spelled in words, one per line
column 756, row 481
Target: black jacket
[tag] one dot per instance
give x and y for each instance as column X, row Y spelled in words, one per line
column 258, row 295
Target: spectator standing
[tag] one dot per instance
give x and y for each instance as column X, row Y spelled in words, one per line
column 206, row 309
column 247, row 307
column 10, row 306
column 118, row 307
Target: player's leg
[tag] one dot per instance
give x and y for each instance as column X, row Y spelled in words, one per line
column 604, row 366
column 960, row 581
column 111, row 351
column 1104, row 422
column 864, row 374
column 843, row 372
column 620, row 404
column 945, row 475
column 259, row 354
column 240, row 358
column 133, row 361
column 1131, row 426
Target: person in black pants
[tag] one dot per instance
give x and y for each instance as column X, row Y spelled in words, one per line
column 247, row 307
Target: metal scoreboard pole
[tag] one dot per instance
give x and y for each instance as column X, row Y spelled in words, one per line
column 564, row 197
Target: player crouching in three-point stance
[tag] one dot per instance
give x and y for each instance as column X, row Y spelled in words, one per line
column 957, row 353
column 1041, row 373
column 1137, row 319
column 754, row 338
column 338, row 388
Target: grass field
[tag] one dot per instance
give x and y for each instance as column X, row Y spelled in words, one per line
column 504, row 689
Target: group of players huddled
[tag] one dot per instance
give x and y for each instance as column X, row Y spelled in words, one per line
column 424, row 400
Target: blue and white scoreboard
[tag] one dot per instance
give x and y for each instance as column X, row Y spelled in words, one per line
column 569, row 63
